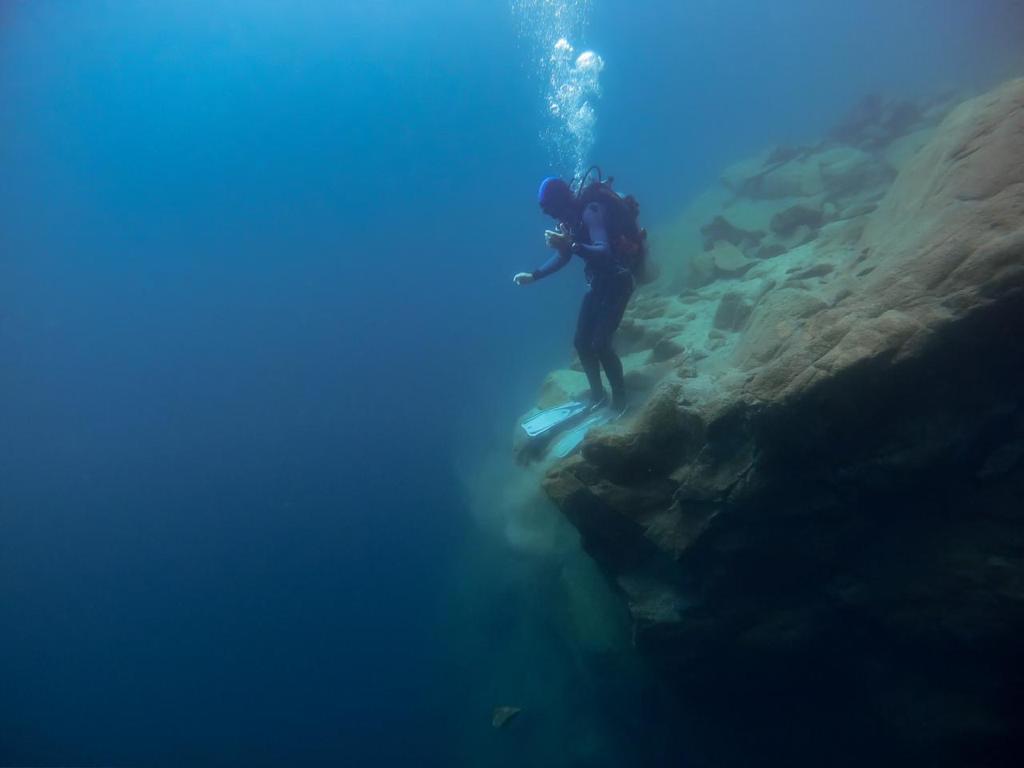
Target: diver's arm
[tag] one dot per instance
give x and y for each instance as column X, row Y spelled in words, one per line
column 560, row 242
column 596, row 255
column 558, row 260
column 600, row 250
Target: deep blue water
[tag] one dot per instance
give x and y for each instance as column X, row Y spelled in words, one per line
column 256, row 321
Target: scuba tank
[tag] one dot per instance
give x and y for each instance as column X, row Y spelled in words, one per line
column 628, row 238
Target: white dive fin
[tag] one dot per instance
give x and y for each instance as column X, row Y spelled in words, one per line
column 570, row 440
column 546, row 421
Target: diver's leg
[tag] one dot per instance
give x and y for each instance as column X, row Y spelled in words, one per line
column 612, row 309
column 584, row 341
column 613, row 369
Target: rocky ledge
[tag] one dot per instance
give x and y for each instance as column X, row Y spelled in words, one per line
column 816, row 516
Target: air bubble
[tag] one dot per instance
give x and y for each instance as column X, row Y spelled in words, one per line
column 573, row 82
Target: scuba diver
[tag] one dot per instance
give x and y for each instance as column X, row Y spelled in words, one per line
column 599, row 226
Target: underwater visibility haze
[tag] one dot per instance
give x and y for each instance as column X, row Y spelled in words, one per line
column 262, row 361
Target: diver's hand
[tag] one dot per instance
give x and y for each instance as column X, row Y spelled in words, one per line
column 560, row 241
column 523, row 278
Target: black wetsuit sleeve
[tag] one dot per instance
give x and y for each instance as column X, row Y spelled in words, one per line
column 558, row 260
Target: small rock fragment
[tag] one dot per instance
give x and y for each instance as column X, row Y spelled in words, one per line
column 504, row 715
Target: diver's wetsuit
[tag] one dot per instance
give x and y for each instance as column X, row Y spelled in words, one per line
column 609, row 287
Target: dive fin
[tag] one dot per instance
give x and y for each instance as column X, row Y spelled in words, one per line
column 570, row 440
column 547, row 421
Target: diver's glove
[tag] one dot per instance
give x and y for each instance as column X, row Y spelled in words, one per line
column 523, row 278
column 559, row 240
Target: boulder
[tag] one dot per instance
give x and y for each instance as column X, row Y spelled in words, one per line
column 796, row 178
column 730, row 261
column 800, row 235
column 720, row 229
column 667, row 348
column 641, row 372
column 775, row 174
column 770, row 248
column 786, row 222
column 783, row 153
column 561, row 386
column 737, row 177
column 875, row 122
column 858, row 122
column 701, row 269
column 845, row 171
column 733, row 312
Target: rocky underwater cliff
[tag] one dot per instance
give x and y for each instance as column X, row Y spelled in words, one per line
column 815, row 513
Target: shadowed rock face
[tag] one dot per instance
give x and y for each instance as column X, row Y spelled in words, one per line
column 817, row 519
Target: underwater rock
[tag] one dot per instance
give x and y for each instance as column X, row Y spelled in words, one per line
column 861, row 209
column 769, row 176
column 667, row 348
column 818, row 270
column 721, row 229
column 846, row 171
column 739, row 177
column 639, row 372
column 778, row 244
column 785, row 222
column 502, row 716
column 702, row 269
column 796, row 178
column 730, row 261
column 784, row 153
column 875, row 122
column 835, row 172
column 830, row 502
column 841, row 234
column 770, row 249
column 900, row 151
column 733, row 312
column 561, row 386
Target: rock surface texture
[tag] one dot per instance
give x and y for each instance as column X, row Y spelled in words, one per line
column 817, row 516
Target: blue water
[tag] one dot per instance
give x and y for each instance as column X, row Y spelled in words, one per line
column 257, row 328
